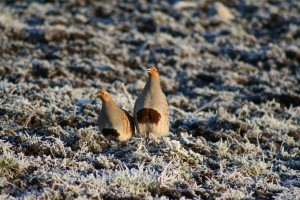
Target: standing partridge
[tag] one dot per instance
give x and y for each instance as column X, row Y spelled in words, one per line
column 114, row 121
column 151, row 111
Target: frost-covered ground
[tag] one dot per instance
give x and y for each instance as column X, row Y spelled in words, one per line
column 231, row 76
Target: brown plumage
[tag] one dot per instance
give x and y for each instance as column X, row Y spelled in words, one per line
column 113, row 121
column 151, row 110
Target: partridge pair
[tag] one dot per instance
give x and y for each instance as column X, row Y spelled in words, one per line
column 151, row 112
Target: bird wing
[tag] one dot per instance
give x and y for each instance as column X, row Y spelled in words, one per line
column 128, row 123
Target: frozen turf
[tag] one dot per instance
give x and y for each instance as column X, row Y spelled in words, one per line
column 231, row 75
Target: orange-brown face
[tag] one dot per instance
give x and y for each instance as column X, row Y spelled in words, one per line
column 103, row 95
column 152, row 72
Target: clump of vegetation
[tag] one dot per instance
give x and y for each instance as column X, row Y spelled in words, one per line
column 11, row 165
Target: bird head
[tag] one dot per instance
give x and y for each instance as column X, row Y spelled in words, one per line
column 104, row 95
column 153, row 73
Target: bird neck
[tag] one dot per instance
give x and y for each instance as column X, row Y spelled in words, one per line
column 108, row 104
column 153, row 84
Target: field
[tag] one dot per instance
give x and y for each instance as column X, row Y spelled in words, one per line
column 231, row 73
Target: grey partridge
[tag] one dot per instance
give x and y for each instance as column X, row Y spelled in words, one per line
column 151, row 110
column 114, row 122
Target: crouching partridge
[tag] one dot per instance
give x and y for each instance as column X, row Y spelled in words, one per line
column 151, row 111
column 114, row 121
